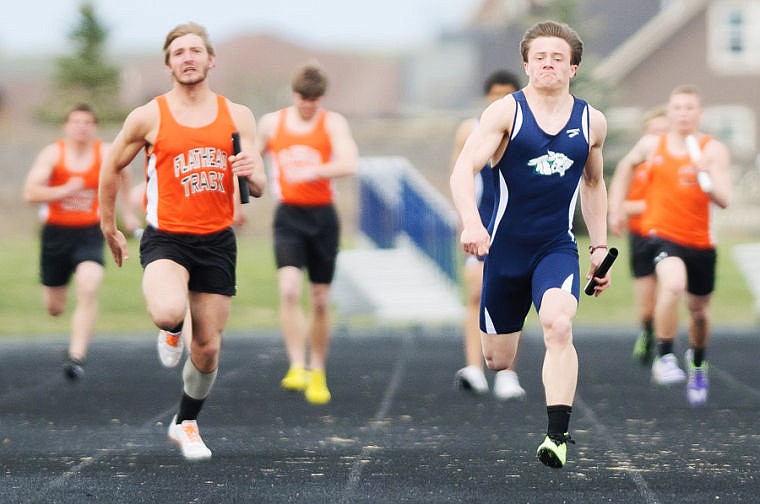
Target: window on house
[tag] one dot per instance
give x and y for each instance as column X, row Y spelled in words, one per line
column 732, row 44
column 736, row 32
column 732, row 124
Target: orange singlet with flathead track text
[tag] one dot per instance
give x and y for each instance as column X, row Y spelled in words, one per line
column 190, row 186
column 81, row 208
column 292, row 151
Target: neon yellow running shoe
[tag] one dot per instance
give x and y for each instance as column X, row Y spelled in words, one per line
column 296, row 379
column 643, row 349
column 316, row 391
column 553, row 451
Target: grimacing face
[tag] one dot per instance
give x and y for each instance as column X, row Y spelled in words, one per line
column 548, row 64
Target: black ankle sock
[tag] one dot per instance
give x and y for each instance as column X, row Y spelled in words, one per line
column 189, row 408
column 665, row 347
column 647, row 325
column 76, row 360
column 559, row 419
column 698, row 356
column 178, row 329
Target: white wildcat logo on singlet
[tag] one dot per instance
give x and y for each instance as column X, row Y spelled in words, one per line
column 551, row 163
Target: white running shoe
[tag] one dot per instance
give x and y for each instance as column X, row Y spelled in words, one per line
column 472, row 379
column 698, row 385
column 187, row 436
column 507, row 386
column 665, row 370
column 170, row 347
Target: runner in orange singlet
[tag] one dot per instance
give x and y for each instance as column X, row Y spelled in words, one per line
column 677, row 222
column 642, row 269
column 64, row 180
column 307, row 147
column 188, row 250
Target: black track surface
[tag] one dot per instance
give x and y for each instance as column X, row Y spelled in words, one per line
column 396, row 431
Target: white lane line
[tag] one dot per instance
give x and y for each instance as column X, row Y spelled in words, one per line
column 618, row 454
column 733, row 382
column 399, row 368
column 42, row 495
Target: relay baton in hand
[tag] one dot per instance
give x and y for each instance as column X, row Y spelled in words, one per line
column 692, row 145
column 601, row 270
column 242, row 182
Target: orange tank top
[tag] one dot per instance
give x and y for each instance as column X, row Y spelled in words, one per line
column 292, row 151
column 677, row 209
column 637, row 191
column 81, row 208
column 189, row 181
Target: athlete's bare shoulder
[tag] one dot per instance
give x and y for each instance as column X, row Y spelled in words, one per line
column 597, row 126
column 715, row 145
column 46, row 159
column 648, row 143
column 499, row 115
column 268, row 123
column 239, row 112
column 142, row 123
column 644, row 148
column 335, row 121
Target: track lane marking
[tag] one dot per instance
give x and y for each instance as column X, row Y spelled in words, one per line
column 399, row 369
column 618, row 454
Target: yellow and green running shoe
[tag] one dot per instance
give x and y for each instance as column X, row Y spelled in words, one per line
column 553, row 451
column 643, row 349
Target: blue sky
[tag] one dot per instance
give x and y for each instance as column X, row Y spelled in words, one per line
column 41, row 26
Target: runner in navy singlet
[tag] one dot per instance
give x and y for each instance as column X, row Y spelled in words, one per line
column 545, row 145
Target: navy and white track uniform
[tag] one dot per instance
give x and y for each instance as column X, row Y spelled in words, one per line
column 533, row 247
column 485, row 187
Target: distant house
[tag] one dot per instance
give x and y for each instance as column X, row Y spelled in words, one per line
column 257, row 69
column 713, row 44
column 603, row 25
column 450, row 73
column 639, row 49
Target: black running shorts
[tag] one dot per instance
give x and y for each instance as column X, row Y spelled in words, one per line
column 209, row 259
column 64, row 247
column 641, row 255
column 700, row 264
column 307, row 237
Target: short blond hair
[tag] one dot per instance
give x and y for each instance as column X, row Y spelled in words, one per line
column 685, row 89
column 183, row 29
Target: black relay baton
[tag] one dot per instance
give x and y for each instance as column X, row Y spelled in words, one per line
column 242, row 182
column 601, row 270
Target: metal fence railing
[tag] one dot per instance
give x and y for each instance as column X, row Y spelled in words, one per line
column 396, row 199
